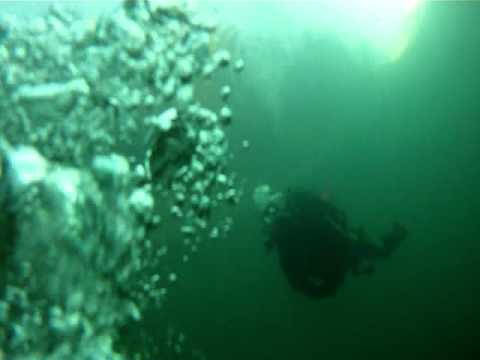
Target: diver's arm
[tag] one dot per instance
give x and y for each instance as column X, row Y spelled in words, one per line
column 364, row 251
column 390, row 242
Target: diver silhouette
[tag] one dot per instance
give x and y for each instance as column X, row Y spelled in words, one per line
column 316, row 246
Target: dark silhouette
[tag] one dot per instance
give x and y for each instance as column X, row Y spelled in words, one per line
column 317, row 248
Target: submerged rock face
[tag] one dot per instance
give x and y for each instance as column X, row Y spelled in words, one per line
column 99, row 120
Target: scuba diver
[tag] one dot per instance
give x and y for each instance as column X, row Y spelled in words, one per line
column 316, row 246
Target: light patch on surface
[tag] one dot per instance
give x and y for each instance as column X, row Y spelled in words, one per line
column 385, row 28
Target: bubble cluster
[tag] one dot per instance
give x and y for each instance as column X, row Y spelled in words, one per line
column 102, row 139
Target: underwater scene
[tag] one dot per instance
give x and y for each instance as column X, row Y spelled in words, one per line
column 226, row 179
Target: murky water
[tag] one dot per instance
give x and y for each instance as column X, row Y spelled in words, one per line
column 158, row 252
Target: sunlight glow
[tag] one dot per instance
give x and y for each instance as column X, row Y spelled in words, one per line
column 381, row 30
column 386, row 27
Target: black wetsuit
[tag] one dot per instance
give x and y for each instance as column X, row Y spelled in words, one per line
column 317, row 248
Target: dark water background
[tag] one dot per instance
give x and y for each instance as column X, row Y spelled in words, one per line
column 394, row 142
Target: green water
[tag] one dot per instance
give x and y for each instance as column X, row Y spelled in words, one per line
column 384, row 142
column 395, row 142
